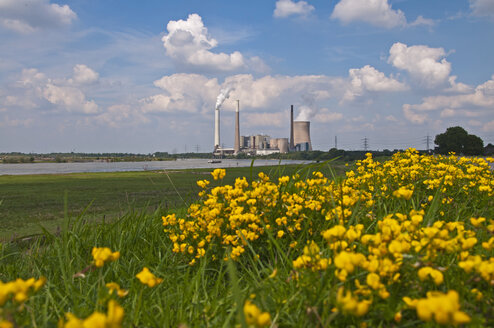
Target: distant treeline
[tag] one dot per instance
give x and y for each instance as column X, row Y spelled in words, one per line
column 318, row 155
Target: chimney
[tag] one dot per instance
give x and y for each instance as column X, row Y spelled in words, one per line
column 216, row 128
column 236, row 147
column 292, row 144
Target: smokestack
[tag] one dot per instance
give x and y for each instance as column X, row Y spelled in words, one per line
column 236, row 147
column 292, row 144
column 216, row 128
column 302, row 133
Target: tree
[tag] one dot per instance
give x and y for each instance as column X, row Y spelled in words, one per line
column 456, row 139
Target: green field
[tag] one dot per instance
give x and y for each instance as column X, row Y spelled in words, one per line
column 28, row 201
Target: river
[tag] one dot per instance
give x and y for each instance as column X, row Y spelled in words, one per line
column 180, row 164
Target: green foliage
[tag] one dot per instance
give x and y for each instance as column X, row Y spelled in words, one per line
column 456, row 139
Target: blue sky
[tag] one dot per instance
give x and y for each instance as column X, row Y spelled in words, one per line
column 144, row 76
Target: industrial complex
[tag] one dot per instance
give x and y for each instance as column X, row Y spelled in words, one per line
column 299, row 139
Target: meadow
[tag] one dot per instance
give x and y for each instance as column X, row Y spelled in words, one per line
column 28, row 202
column 395, row 243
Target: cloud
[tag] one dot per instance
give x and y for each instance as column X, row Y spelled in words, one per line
column 37, row 86
column 188, row 44
column 327, row 116
column 374, row 12
column 6, row 121
column 84, row 75
column 482, row 97
column 482, row 7
column 368, row 78
column 423, row 63
column 182, row 93
column 27, row 16
column 412, row 116
column 423, row 21
column 122, row 114
column 286, row 8
column 277, row 119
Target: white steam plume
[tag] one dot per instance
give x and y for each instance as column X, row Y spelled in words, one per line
column 305, row 114
column 224, row 94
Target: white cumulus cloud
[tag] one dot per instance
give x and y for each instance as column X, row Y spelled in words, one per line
column 182, row 92
column 482, row 97
column 26, row 16
column 368, row 78
column 286, row 8
column 61, row 93
column 189, row 44
column 84, row 75
column 374, row 12
column 426, row 65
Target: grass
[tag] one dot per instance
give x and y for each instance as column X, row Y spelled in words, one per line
column 28, row 201
column 403, row 243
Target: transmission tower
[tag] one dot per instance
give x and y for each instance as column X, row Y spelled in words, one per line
column 428, row 139
column 366, row 143
column 197, row 148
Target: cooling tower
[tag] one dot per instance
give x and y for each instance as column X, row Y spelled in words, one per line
column 273, row 143
column 236, row 146
column 292, row 144
column 301, row 133
column 283, row 145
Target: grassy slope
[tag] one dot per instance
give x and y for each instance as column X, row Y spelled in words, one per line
column 30, row 200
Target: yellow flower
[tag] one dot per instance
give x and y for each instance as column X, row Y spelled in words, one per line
column 6, row 324
column 112, row 319
column 403, row 193
column 102, row 255
column 113, row 286
column 147, row 278
column 218, row 174
column 436, row 275
column 254, row 316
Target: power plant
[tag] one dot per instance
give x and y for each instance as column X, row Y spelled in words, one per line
column 261, row 144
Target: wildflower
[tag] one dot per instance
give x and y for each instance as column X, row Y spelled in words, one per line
column 147, row 278
column 102, row 255
column 436, row 275
column 254, row 316
column 6, row 324
column 403, row 193
column 112, row 319
column 113, row 286
column 442, row 308
column 350, row 304
column 218, row 174
column 202, row 183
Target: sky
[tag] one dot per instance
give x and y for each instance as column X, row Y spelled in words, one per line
column 144, row 76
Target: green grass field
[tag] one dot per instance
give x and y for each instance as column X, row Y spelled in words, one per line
column 28, row 201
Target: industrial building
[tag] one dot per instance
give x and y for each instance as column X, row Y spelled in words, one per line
column 262, row 144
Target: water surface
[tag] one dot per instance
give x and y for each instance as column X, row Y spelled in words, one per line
column 60, row 168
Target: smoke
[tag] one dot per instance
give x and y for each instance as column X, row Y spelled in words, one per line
column 307, row 111
column 305, row 114
column 224, row 94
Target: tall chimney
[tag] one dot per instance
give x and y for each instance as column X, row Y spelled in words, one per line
column 236, row 147
column 216, row 128
column 292, row 144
